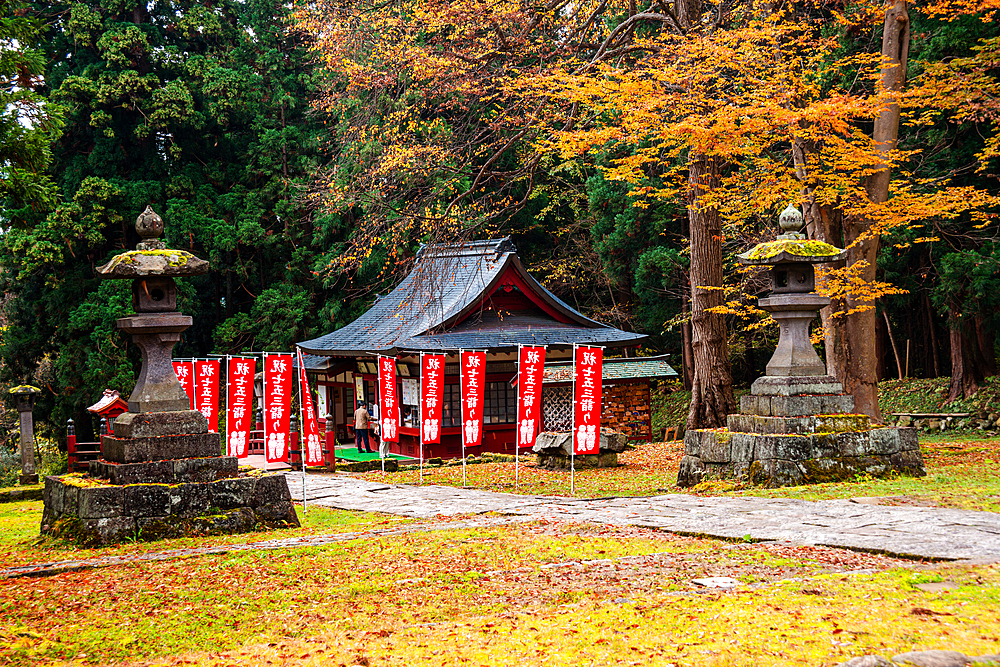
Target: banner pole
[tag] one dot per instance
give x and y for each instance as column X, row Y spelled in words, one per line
column 421, row 417
column 381, row 404
column 263, row 403
column 517, row 437
column 302, row 427
column 461, row 412
column 572, row 434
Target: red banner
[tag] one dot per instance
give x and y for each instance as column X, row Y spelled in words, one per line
column 589, row 363
column 206, row 398
column 313, row 451
column 185, row 374
column 473, row 387
column 277, row 405
column 239, row 405
column 530, row 364
column 388, row 405
column 431, row 396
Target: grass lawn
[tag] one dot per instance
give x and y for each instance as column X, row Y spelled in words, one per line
column 518, row 594
column 20, row 543
column 963, row 471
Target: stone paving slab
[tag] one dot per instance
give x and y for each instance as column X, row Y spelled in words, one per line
column 914, row 532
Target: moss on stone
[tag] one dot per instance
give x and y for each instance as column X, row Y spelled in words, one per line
column 174, row 257
column 800, row 247
column 845, row 423
column 82, row 480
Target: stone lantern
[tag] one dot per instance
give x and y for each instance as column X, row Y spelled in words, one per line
column 792, row 301
column 162, row 473
column 797, row 424
column 24, row 397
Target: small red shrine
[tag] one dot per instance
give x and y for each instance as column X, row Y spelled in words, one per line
column 105, row 410
column 472, row 296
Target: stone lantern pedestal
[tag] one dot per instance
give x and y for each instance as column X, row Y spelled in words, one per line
column 162, row 473
column 24, row 397
column 797, row 425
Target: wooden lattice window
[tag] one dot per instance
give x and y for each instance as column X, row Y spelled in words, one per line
column 557, row 408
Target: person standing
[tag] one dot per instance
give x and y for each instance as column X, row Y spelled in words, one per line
column 361, row 425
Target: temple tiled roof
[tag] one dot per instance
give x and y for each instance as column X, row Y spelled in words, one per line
column 444, row 288
column 614, row 369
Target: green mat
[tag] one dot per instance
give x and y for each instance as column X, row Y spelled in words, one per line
column 352, row 454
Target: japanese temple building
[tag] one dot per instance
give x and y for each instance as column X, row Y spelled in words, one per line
column 472, row 296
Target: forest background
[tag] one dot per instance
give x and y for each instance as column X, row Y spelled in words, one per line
column 308, row 152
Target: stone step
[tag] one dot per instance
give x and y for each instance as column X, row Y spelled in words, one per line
column 796, row 406
column 839, row 423
column 166, row 472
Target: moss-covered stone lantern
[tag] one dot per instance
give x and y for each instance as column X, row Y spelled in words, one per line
column 162, row 473
column 792, row 301
column 24, row 399
column 796, row 426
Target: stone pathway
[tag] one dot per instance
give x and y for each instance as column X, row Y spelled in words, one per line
column 914, row 532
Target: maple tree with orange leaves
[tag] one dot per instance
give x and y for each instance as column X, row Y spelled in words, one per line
column 450, row 112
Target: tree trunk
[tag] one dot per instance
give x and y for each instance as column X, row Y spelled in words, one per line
column 986, row 339
column 712, row 387
column 933, row 335
column 687, row 356
column 895, row 349
column 965, row 374
column 850, row 339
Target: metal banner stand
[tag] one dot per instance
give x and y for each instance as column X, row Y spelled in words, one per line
column 263, row 402
column 420, row 415
column 572, row 433
column 302, row 428
column 461, row 412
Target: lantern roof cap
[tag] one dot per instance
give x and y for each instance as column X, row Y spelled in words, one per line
column 785, row 250
column 152, row 257
column 24, row 390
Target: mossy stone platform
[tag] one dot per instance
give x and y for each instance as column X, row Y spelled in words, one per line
column 798, row 430
column 94, row 511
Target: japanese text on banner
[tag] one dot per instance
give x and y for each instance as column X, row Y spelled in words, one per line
column 277, row 405
column 184, row 370
column 589, row 363
column 239, row 405
column 431, row 396
column 530, row 366
column 388, row 404
column 473, row 387
column 310, row 428
column 207, row 391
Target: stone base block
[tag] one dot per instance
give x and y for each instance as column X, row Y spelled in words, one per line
column 796, row 385
column 28, row 480
column 91, row 513
column 562, row 462
column 796, row 406
column 167, row 472
column 551, row 443
column 804, row 425
column 159, row 448
column 788, row 459
column 153, row 424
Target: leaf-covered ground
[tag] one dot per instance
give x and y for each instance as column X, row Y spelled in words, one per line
column 962, row 472
column 20, row 543
column 518, row 594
